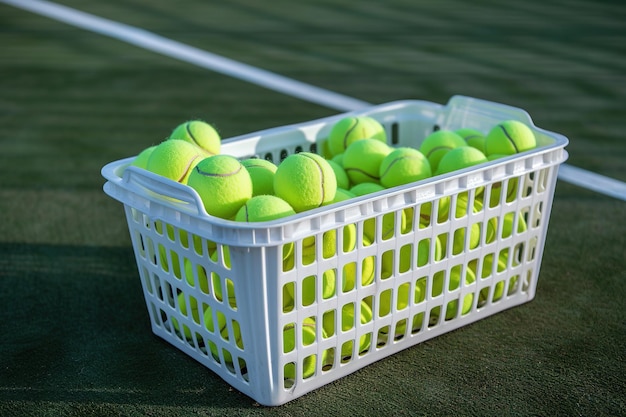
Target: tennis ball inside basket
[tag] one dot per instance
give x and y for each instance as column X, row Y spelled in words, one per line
column 219, row 327
column 343, row 195
column 454, row 282
column 340, row 174
column 190, row 311
column 473, row 138
column 362, row 160
column 509, row 137
column 437, row 144
column 348, row 323
column 306, row 181
column 262, row 174
column 223, row 184
column 263, row 208
column 365, row 269
column 459, row 158
column 402, row 166
column 290, row 342
column 198, row 133
column 354, row 128
column 141, row 160
column 174, row 160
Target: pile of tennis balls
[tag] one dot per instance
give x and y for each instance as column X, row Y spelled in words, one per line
column 356, row 159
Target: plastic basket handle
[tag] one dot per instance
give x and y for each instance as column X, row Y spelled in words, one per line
column 162, row 190
column 497, row 111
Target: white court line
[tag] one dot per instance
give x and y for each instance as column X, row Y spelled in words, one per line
column 153, row 42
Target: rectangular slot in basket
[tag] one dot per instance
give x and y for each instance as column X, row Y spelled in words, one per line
column 280, row 308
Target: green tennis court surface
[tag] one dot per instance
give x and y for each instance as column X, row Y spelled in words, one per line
column 76, row 334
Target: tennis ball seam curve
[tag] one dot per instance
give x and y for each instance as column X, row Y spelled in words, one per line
column 394, row 161
column 348, row 132
column 323, row 193
column 227, row 174
column 188, row 168
column 510, row 139
column 360, row 171
column 435, row 149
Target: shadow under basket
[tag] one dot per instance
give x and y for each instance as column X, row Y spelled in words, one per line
column 280, row 308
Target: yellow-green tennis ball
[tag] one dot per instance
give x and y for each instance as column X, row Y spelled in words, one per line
column 454, row 282
column 174, row 160
column 437, row 144
column 222, row 183
column 216, row 282
column 262, row 174
column 306, row 181
column 291, row 341
column 407, row 257
column 329, row 243
column 191, row 311
column 351, row 129
column 340, row 174
column 141, row 160
column 473, row 138
column 496, row 192
column 262, row 208
column 348, row 323
column 203, row 281
column 325, row 151
column 338, row 159
column 343, row 195
column 221, row 327
column 362, row 160
column 509, row 137
column 366, row 188
column 459, row 158
column 403, row 166
column 366, row 269
column 199, row 133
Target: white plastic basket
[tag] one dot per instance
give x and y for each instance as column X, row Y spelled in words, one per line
column 177, row 246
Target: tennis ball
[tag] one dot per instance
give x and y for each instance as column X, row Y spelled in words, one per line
column 454, row 283
column 174, row 160
column 343, row 195
column 366, row 268
column 199, row 133
column 290, row 342
column 459, row 158
column 262, row 175
column 403, row 166
column 388, row 226
column 338, row 159
column 329, row 243
column 437, row 144
column 222, row 327
column 407, row 257
column 141, row 160
column 191, row 311
column 366, row 188
column 216, row 281
column 354, row 128
column 496, row 192
column 509, row 137
column 263, row 208
column 340, row 174
column 306, row 181
column 487, row 270
column 348, row 323
column 362, row 160
column 473, row 138
column 223, row 184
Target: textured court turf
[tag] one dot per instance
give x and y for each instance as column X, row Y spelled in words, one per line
column 76, row 335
